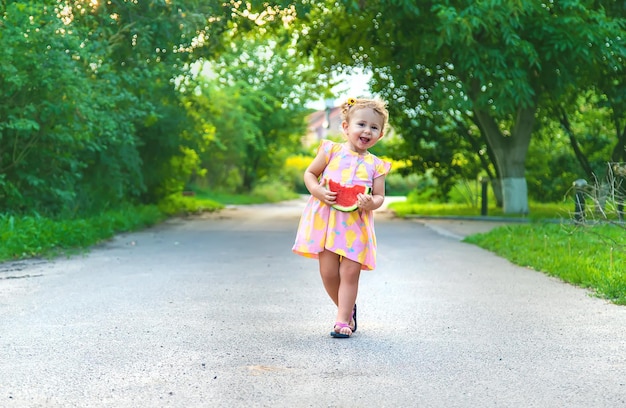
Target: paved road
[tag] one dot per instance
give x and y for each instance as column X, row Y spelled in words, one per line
column 217, row 312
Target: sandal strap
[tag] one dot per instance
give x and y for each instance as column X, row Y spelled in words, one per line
column 342, row 325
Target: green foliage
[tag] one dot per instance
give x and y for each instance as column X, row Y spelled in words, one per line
column 274, row 192
column 226, row 198
column 398, row 185
column 551, row 166
column 466, row 80
column 424, row 188
column 591, row 257
column 146, row 46
column 112, row 102
column 79, row 153
column 52, row 127
column 253, row 97
column 293, row 173
column 469, row 193
column 94, row 114
column 178, row 204
column 264, row 192
column 33, row 236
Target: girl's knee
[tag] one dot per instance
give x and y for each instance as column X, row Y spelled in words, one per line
column 328, row 257
column 349, row 268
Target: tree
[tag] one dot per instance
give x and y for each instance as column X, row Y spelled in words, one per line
column 254, row 95
column 594, row 105
column 144, row 46
column 55, row 123
column 93, row 111
column 497, row 60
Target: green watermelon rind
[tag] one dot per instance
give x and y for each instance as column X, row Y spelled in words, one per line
column 352, row 207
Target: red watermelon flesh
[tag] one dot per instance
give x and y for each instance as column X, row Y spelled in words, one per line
column 346, row 195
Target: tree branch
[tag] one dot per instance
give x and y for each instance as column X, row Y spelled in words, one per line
column 582, row 159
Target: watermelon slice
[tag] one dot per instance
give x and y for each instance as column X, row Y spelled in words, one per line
column 346, row 195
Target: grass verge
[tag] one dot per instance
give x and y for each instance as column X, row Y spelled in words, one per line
column 592, row 257
column 537, row 210
column 589, row 256
column 31, row 236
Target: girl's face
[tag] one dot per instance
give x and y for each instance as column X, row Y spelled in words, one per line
column 363, row 129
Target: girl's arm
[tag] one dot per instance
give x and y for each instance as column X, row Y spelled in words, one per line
column 376, row 199
column 314, row 184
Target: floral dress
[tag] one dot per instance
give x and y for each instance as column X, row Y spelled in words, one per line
column 348, row 234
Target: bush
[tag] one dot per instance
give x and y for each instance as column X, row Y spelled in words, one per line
column 399, row 185
column 178, row 204
column 274, row 192
column 294, row 172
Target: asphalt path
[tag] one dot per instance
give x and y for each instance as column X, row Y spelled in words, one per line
column 215, row 311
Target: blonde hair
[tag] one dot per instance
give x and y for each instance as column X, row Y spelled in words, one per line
column 354, row 104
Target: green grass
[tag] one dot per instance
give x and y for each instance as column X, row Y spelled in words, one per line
column 537, row 210
column 264, row 193
column 177, row 204
column 29, row 236
column 32, row 236
column 592, row 256
column 230, row 198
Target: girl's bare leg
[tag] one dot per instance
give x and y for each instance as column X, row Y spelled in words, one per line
column 329, row 271
column 349, row 273
column 341, row 281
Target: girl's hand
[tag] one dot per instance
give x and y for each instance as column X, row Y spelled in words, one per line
column 324, row 195
column 366, row 202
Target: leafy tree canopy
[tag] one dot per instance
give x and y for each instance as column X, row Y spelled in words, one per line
column 493, row 62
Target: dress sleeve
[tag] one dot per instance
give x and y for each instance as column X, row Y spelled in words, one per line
column 382, row 168
column 327, row 147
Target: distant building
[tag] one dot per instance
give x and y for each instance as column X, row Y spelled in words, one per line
column 321, row 125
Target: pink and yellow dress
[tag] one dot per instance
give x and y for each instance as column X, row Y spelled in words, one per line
column 349, row 234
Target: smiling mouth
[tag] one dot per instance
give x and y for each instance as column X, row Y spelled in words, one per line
column 364, row 140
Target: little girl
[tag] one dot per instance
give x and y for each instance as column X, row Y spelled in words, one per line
column 345, row 242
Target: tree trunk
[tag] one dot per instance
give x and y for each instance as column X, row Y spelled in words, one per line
column 496, row 186
column 510, row 156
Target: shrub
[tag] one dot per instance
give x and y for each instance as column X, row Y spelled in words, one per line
column 273, row 192
column 177, row 204
column 294, row 170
